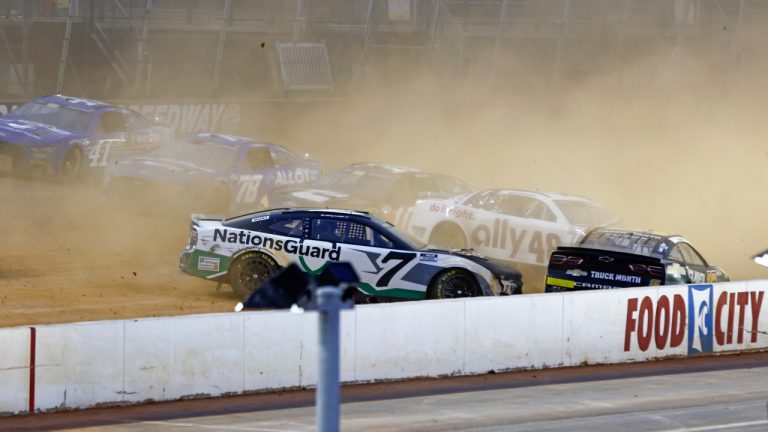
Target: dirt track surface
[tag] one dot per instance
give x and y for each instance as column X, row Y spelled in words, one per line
column 67, row 255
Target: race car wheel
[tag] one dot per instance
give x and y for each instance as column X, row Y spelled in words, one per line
column 453, row 283
column 448, row 236
column 249, row 271
column 70, row 164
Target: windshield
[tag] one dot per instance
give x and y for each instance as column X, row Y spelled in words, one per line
column 411, row 240
column 53, row 114
column 204, row 155
column 585, row 213
column 393, row 233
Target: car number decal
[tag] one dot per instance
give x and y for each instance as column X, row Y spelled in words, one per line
column 540, row 244
column 99, row 153
column 248, row 188
column 403, row 257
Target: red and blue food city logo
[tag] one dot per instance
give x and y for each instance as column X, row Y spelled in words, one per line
column 727, row 320
column 699, row 319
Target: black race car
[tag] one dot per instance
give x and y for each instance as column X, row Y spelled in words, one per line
column 611, row 258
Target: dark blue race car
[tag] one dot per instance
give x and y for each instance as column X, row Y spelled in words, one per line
column 206, row 172
column 66, row 137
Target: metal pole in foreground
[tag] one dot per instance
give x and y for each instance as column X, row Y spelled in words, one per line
column 327, row 397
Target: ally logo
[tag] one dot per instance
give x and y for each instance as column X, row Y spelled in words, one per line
column 700, row 330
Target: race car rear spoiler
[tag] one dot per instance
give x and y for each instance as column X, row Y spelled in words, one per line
column 576, row 268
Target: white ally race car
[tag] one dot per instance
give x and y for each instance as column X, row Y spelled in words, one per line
column 512, row 225
column 246, row 250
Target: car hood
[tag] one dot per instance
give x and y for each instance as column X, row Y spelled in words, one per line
column 158, row 169
column 20, row 131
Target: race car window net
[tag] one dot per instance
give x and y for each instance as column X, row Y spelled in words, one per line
column 342, row 231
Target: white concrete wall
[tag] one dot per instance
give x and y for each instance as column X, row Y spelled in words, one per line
column 14, row 369
column 84, row 364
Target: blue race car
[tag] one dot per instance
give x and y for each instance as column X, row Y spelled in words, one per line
column 68, row 137
column 208, row 173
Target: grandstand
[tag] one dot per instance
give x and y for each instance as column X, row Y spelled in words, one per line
column 273, row 48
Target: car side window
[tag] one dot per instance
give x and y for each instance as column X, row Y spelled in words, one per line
column 524, row 207
column 287, row 227
column 136, row 121
column 259, row 158
column 449, row 186
column 690, row 256
column 676, row 255
column 436, row 186
column 282, row 157
column 483, row 200
column 344, row 231
column 380, row 240
column 113, row 122
column 537, row 209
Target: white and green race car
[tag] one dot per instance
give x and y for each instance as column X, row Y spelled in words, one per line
column 246, row 250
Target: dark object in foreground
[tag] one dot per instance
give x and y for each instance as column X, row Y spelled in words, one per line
column 291, row 286
column 609, row 258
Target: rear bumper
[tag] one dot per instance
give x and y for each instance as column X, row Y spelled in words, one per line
column 184, row 261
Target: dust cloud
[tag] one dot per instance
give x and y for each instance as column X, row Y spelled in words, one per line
column 667, row 144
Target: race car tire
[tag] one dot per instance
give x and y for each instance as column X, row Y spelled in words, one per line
column 249, row 271
column 70, row 163
column 453, row 283
column 448, row 236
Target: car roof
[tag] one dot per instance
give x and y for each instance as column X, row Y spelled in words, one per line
column 551, row 195
column 380, row 167
column 639, row 242
column 226, row 140
column 74, row 102
column 395, row 170
column 307, row 210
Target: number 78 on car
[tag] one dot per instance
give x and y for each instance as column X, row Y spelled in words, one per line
column 246, row 250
